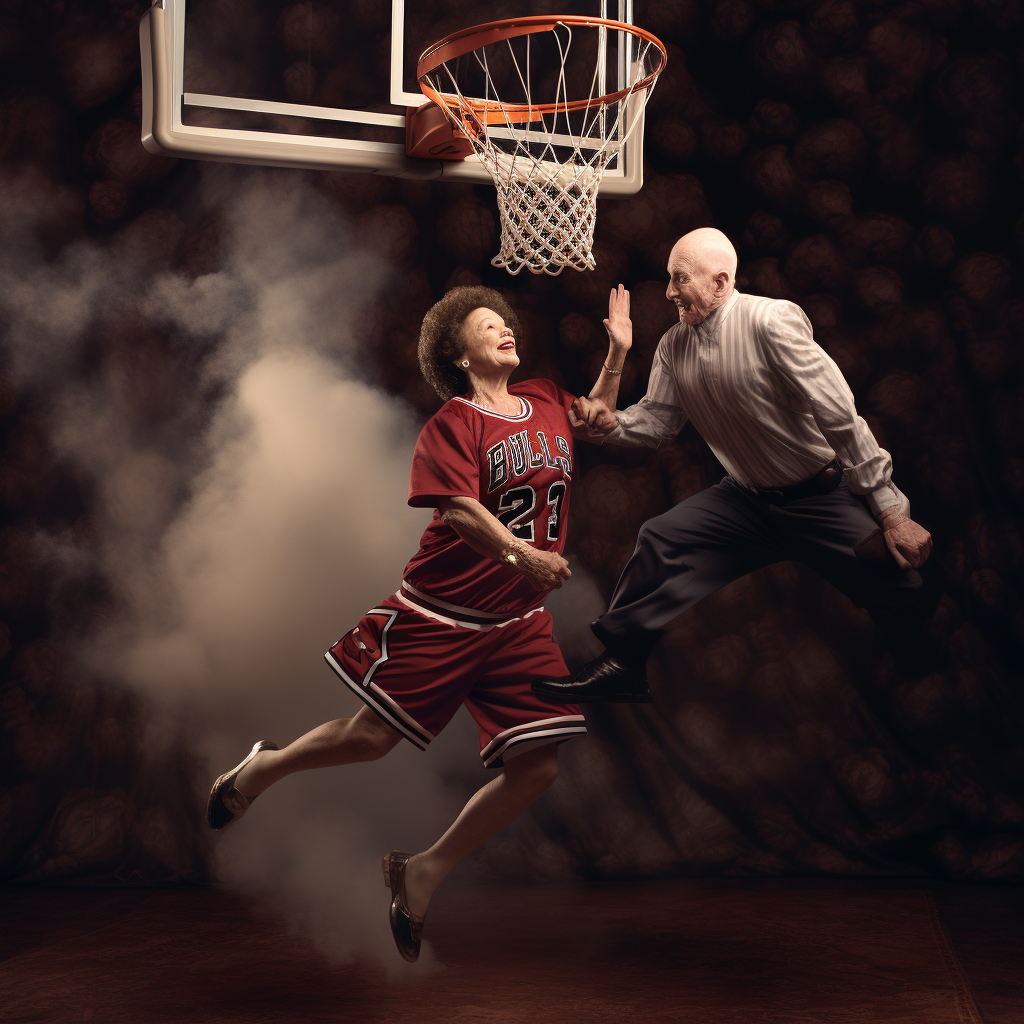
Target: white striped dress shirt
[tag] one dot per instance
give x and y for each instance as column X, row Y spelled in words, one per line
column 766, row 397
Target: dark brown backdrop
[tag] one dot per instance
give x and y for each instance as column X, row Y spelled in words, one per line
column 866, row 158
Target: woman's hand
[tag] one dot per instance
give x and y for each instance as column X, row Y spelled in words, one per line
column 618, row 325
column 543, row 570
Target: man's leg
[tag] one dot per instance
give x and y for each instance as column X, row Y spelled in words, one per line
column 489, row 810
column 691, row 551
column 364, row 737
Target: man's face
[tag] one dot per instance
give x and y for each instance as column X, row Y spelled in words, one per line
column 690, row 288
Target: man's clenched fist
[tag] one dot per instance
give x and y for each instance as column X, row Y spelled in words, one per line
column 908, row 542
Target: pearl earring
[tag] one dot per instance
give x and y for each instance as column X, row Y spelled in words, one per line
column 465, row 364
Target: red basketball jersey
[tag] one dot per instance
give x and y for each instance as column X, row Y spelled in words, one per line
column 518, row 467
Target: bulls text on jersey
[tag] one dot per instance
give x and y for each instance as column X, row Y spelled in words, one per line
column 516, row 454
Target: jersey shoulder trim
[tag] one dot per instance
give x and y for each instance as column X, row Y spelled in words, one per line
column 525, row 412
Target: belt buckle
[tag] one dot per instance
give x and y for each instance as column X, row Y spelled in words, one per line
column 828, row 479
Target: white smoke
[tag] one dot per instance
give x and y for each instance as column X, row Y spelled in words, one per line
column 250, row 524
column 239, row 546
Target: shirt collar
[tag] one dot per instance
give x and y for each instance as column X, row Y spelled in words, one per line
column 712, row 323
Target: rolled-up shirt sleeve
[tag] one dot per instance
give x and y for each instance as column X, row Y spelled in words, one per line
column 818, row 384
column 659, row 415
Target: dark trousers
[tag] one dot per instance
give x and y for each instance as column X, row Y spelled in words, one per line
column 727, row 531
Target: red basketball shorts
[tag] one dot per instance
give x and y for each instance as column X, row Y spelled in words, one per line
column 415, row 665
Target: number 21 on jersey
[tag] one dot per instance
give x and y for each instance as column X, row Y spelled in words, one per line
column 516, row 511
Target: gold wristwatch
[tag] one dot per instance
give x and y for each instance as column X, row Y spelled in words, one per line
column 509, row 557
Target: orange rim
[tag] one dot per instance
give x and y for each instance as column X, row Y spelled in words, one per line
column 458, row 44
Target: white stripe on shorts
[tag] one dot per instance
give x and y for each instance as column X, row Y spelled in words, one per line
column 431, row 614
column 384, row 706
column 544, row 730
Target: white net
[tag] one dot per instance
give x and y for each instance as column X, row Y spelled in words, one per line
column 546, row 152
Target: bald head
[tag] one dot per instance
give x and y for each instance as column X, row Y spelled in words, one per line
column 702, row 273
column 707, row 250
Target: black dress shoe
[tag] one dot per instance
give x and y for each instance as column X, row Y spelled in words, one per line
column 226, row 805
column 607, row 678
column 406, row 927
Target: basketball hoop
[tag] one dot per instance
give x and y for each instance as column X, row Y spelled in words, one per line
column 545, row 152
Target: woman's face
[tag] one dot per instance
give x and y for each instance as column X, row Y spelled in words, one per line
column 490, row 345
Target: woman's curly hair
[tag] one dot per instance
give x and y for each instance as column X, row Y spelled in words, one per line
column 441, row 341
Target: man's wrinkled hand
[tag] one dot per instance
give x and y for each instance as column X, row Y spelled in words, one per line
column 908, row 542
column 591, row 419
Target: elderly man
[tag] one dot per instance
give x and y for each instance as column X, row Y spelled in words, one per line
column 806, row 478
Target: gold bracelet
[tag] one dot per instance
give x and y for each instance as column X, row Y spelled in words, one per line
column 614, row 373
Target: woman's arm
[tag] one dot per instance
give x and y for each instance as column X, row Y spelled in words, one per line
column 543, row 570
column 593, row 417
column 620, row 341
column 656, row 418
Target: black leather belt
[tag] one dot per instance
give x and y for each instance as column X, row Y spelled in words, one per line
column 825, row 481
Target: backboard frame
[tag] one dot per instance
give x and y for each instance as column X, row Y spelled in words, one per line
column 164, row 100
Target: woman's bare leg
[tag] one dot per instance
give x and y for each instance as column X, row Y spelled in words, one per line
column 488, row 811
column 364, row 737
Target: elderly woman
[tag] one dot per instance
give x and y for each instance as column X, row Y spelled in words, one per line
column 467, row 624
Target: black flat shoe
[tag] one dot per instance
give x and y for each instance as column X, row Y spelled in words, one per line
column 606, row 678
column 406, row 927
column 226, row 805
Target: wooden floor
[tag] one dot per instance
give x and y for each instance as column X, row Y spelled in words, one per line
column 707, row 952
